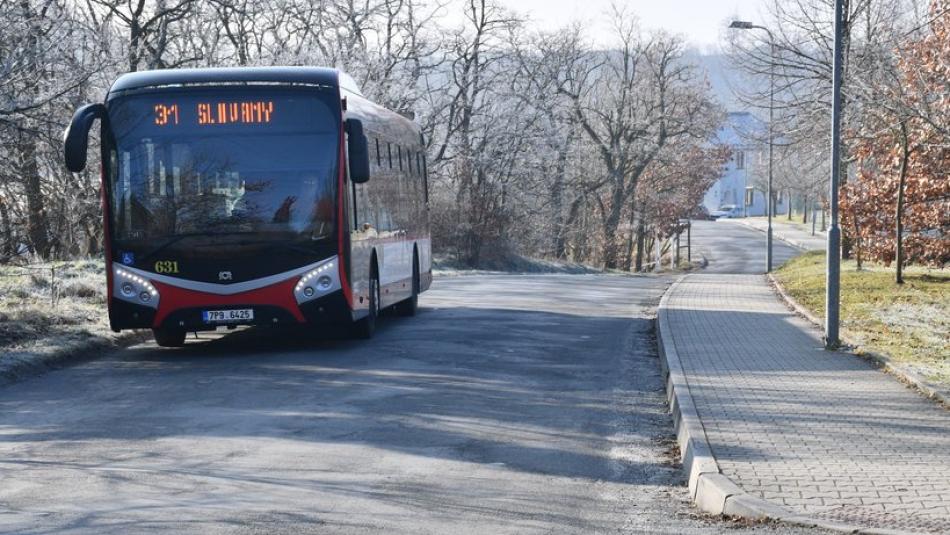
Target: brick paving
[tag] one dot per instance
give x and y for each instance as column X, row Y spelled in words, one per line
column 820, row 433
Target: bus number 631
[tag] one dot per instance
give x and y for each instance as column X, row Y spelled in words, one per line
column 166, row 266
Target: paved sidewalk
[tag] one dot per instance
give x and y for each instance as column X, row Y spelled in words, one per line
column 821, row 434
column 788, row 232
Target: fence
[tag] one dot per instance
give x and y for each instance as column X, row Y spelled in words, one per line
column 52, row 282
column 29, row 275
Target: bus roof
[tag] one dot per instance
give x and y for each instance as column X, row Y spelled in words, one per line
column 305, row 75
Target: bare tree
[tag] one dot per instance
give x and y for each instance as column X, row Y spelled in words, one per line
column 632, row 103
column 149, row 28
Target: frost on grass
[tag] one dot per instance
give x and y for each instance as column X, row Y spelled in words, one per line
column 44, row 312
column 927, row 328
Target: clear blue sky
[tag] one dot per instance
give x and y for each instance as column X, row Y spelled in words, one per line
column 699, row 21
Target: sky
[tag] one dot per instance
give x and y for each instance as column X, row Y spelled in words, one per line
column 699, row 21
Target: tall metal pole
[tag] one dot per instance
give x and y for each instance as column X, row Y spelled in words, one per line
column 768, row 202
column 833, row 280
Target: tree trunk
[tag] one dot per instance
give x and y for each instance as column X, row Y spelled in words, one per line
column 628, row 256
column 846, row 242
column 7, row 248
column 857, row 250
column 611, row 223
column 905, row 156
column 134, row 38
column 36, row 225
column 569, row 223
column 557, row 203
column 641, row 237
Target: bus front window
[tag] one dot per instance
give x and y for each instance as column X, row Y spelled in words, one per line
column 225, row 161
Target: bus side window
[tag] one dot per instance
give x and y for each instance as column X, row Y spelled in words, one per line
column 379, row 156
column 425, row 178
column 419, row 168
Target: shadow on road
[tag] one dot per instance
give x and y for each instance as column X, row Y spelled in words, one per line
column 532, row 391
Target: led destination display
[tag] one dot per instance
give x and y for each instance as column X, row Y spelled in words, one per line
column 217, row 113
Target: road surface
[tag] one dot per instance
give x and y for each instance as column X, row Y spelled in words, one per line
column 511, row 404
column 731, row 247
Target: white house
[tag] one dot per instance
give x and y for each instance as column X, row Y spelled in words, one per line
column 741, row 185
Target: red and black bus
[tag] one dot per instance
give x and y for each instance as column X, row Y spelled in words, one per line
column 255, row 196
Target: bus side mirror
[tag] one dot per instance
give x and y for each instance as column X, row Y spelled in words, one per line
column 76, row 137
column 358, row 149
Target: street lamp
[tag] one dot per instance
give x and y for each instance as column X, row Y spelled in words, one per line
column 745, row 25
column 833, row 270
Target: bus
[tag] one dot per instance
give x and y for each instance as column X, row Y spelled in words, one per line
column 255, row 196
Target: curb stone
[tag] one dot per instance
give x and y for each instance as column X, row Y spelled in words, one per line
column 711, row 490
column 18, row 370
column 902, row 373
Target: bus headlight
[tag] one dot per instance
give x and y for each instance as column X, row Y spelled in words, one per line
column 127, row 289
column 133, row 288
column 317, row 282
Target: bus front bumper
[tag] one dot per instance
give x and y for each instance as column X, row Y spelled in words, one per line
column 310, row 294
column 329, row 309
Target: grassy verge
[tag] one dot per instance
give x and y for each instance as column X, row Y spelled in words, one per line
column 49, row 311
column 910, row 323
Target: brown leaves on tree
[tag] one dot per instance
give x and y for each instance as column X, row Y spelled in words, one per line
column 913, row 122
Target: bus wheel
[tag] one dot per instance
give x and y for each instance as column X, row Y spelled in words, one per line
column 169, row 337
column 410, row 306
column 367, row 326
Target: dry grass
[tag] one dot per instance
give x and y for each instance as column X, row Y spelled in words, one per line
column 909, row 322
column 43, row 312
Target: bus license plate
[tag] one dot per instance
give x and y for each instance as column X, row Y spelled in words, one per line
column 216, row 316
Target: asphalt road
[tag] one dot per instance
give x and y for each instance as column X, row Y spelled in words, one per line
column 731, row 247
column 511, row 404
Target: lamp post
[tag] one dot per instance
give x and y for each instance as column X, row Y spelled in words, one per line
column 745, row 25
column 833, row 271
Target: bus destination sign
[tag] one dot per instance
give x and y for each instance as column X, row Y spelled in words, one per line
column 217, row 113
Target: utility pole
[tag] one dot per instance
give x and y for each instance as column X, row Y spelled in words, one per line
column 833, row 273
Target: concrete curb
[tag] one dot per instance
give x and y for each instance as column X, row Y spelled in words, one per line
column 709, row 488
column 903, row 374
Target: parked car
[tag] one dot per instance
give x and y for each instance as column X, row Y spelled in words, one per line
column 727, row 210
column 701, row 213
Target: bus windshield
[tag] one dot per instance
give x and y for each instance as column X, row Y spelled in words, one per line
column 211, row 162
